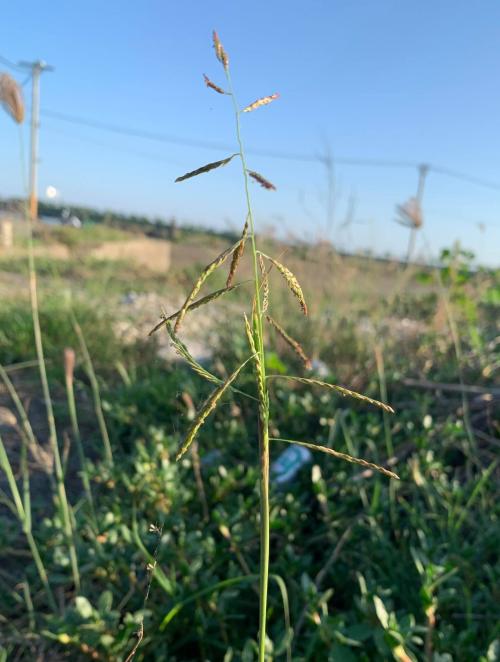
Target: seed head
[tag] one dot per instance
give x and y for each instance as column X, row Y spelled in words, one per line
column 11, row 98
column 220, row 53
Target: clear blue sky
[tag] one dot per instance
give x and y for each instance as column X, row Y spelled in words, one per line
column 386, row 79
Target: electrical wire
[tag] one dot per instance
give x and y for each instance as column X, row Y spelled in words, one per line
column 287, row 156
column 6, row 62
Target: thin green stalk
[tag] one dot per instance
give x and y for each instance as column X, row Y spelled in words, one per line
column 28, row 430
column 29, row 604
column 70, row 394
column 25, row 521
column 61, row 489
column 96, row 393
column 263, row 421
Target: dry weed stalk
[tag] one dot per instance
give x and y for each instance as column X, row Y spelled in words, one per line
column 254, row 330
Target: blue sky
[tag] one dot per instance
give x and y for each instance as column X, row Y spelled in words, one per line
column 390, row 80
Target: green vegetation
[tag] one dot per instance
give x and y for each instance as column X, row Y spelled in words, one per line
column 110, row 549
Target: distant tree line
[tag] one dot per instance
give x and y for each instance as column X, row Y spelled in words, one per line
column 158, row 228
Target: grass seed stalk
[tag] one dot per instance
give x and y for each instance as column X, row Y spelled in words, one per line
column 254, row 330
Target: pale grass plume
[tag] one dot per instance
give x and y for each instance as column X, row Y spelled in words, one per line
column 260, row 102
column 341, row 456
column 220, row 53
column 196, row 304
column 215, row 264
column 265, row 183
column 206, row 168
column 212, row 85
column 410, row 214
column 291, row 280
column 339, row 389
column 237, row 255
column 294, row 344
column 206, row 409
column 11, row 98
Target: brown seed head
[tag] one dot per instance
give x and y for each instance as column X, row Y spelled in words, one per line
column 262, row 180
column 294, row 344
column 69, row 363
column 212, row 85
column 237, row 255
column 11, row 98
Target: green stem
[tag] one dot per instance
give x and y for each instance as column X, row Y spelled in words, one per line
column 61, row 490
column 96, row 394
column 70, row 393
column 263, row 421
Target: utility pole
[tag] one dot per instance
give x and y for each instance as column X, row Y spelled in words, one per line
column 36, row 69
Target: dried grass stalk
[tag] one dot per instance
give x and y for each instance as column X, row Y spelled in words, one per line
column 260, row 102
column 220, row 53
column 196, row 304
column 212, row 85
column 262, row 180
column 294, row 344
column 237, row 255
column 207, row 408
column 291, row 280
column 341, row 456
column 265, row 284
column 410, row 214
column 340, row 389
column 219, row 260
column 206, row 168
column 11, row 97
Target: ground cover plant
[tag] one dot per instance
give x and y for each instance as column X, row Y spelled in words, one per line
column 121, row 539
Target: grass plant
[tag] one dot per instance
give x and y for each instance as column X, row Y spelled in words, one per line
column 255, row 332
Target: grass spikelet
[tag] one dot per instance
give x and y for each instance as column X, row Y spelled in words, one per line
column 206, row 409
column 341, row 456
column 220, row 53
column 294, row 344
column 184, row 353
column 291, row 280
column 11, row 98
column 219, row 260
column 196, row 304
column 206, row 168
column 265, row 183
column 237, row 255
column 265, row 284
column 257, row 365
column 340, row 389
column 260, row 102
column 212, row 85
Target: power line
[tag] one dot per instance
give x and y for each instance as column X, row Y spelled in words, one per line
column 187, row 142
column 119, row 148
column 6, row 62
column 287, row 156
